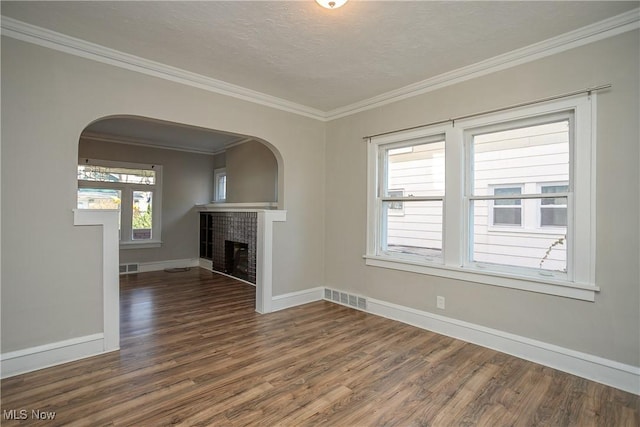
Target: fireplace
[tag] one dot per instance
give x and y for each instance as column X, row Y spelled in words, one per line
column 229, row 240
column 236, row 259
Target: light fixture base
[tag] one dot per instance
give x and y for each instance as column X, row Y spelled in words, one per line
column 331, row 4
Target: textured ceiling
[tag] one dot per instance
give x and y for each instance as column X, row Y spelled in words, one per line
column 323, row 59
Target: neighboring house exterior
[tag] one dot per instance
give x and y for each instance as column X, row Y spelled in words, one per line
column 516, row 232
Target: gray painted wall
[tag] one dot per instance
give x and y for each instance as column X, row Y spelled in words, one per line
column 187, row 180
column 51, row 270
column 607, row 327
column 252, row 173
column 49, row 97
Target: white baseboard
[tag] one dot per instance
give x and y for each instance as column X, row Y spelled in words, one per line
column 598, row 369
column 292, row 299
column 144, row 267
column 205, row 263
column 43, row 356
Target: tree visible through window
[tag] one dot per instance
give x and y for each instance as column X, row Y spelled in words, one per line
column 133, row 189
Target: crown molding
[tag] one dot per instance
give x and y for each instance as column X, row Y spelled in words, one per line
column 43, row 37
column 101, row 137
column 610, row 27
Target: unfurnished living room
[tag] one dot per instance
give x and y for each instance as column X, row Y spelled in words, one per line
column 315, row 212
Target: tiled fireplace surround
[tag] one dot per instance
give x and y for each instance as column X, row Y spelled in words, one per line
column 240, row 227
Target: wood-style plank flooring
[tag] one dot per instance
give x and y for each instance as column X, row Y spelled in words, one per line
column 194, row 352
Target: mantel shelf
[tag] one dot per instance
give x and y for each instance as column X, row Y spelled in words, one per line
column 238, row 207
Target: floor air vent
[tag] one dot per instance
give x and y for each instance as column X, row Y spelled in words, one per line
column 128, row 268
column 344, row 298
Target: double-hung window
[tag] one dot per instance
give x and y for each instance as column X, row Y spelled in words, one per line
column 131, row 188
column 410, row 220
column 504, row 199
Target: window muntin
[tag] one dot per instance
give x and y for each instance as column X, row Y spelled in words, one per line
column 575, row 277
column 134, row 189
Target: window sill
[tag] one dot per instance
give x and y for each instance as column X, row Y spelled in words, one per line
column 141, row 245
column 542, row 285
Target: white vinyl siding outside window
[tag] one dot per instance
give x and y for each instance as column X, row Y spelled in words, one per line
column 131, row 188
column 514, row 182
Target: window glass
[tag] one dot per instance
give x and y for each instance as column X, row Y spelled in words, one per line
column 116, row 174
column 418, row 232
column 521, row 155
column 553, row 210
column 507, row 211
column 418, row 169
column 524, row 155
column 142, row 221
column 412, row 227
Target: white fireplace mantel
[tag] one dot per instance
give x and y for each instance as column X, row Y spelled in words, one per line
column 267, row 215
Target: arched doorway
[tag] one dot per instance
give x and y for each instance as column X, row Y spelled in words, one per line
column 146, row 181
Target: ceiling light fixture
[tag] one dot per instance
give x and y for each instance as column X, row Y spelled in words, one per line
column 331, row 4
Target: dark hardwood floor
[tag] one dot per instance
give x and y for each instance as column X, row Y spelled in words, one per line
column 194, row 352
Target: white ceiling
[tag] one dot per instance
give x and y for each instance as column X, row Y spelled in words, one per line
column 302, row 53
column 296, row 51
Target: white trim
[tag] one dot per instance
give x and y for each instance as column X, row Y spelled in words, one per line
column 57, row 41
column 113, row 139
column 207, row 264
column 609, row 372
column 543, row 285
column 293, row 299
column 43, row 356
column 610, row 27
column 264, row 258
column 108, row 219
column 237, row 207
column 579, row 283
column 144, row 267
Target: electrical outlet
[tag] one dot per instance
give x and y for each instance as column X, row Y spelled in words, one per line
column 440, row 302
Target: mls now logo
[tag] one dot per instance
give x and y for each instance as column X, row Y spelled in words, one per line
column 15, row 414
column 23, row 414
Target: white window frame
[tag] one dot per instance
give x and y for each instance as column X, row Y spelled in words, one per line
column 218, row 174
column 376, row 241
column 127, row 189
column 579, row 283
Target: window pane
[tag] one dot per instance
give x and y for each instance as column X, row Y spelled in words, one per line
column 554, row 189
column 507, row 191
column 112, row 174
column 507, row 216
column 521, row 155
column 519, row 249
column 416, row 233
column 98, row 198
column 142, row 218
column 555, row 217
column 222, row 187
column 418, row 169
